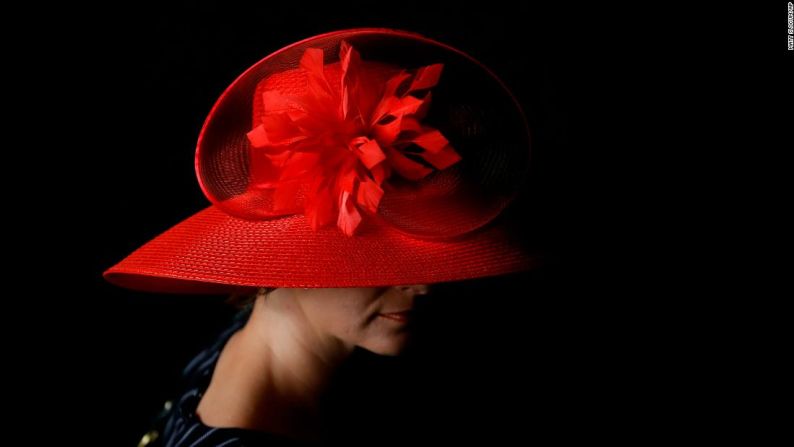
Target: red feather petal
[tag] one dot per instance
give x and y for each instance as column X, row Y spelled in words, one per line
column 432, row 141
column 370, row 154
column 312, row 64
column 258, row 136
column 369, row 195
column 405, row 166
column 426, row 77
column 442, row 159
column 349, row 217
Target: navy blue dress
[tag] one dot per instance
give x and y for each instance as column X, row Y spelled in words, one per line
column 178, row 425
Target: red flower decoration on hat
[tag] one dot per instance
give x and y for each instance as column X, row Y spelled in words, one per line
column 339, row 141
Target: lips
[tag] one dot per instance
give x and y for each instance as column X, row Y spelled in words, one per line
column 402, row 317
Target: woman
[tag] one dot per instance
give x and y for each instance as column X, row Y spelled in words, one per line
column 299, row 336
column 339, row 196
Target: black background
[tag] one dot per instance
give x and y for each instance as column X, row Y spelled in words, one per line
column 573, row 351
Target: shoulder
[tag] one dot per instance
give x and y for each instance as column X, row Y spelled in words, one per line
column 179, row 426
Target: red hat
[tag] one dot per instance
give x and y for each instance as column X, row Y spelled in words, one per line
column 358, row 158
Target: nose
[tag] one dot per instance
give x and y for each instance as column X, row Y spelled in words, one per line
column 415, row 289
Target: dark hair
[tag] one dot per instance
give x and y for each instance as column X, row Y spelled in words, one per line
column 246, row 300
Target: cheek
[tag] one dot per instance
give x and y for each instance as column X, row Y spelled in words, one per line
column 350, row 317
column 353, row 322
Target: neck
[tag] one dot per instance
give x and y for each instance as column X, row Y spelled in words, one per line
column 272, row 372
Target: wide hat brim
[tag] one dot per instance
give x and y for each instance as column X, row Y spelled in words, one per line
column 212, row 252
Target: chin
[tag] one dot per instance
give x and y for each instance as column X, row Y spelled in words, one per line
column 391, row 346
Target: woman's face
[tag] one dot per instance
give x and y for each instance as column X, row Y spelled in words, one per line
column 376, row 318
